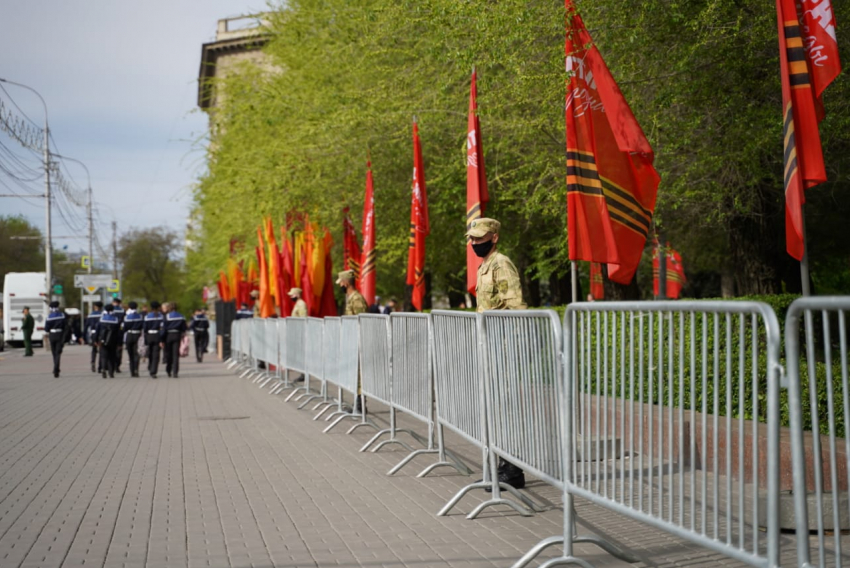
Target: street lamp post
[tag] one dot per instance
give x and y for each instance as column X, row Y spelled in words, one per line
column 48, row 254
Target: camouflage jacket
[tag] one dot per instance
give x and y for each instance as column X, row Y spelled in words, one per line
column 300, row 309
column 355, row 304
column 498, row 286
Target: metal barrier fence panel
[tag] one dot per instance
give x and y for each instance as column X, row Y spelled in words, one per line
column 257, row 352
column 330, row 349
column 247, row 333
column 457, row 380
column 281, row 343
column 296, row 331
column 315, row 347
column 270, row 341
column 236, row 334
column 523, row 382
column 821, row 501
column 412, row 384
column 658, row 395
column 349, row 359
column 375, row 357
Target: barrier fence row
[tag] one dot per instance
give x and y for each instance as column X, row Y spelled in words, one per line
column 684, row 416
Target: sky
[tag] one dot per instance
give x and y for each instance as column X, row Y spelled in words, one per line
column 120, row 81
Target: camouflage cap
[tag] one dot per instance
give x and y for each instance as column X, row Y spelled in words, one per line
column 294, row 292
column 481, row 226
column 345, row 276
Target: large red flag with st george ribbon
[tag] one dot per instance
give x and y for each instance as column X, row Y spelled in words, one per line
column 476, row 182
column 808, row 55
column 611, row 183
column 676, row 279
column 597, row 286
column 420, row 226
column 350, row 247
column 367, row 262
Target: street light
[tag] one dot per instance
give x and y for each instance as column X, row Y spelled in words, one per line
column 48, row 256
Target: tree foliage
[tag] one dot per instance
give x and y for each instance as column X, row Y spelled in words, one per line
column 150, row 265
column 350, row 75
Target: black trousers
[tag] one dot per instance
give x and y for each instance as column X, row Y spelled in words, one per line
column 94, row 352
column 57, row 343
column 202, row 340
column 172, row 354
column 108, row 359
column 133, row 352
column 119, row 349
column 153, row 357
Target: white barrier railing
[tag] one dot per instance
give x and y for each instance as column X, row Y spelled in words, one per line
column 349, row 370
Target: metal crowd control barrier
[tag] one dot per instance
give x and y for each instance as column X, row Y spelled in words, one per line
column 413, row 385
column 235, row 346
column 270, row 347
column 315, row 362
column 349, row 369
column 283, row 376
column 655, row 399
column 296, row 352
column 255, row 342
column 330, row 350
column 824, row 485
column 459, row 386
column 263, row 354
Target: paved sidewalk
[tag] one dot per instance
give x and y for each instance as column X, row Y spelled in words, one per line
column 209, row 470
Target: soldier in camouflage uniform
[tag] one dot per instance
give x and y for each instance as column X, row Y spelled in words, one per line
column 355, row 304
column 498, row 288
column 299, row 310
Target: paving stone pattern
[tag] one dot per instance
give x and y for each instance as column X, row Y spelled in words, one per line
column 210, row 471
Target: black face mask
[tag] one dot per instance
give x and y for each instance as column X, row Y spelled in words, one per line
column 482, row 249
column 294, row 298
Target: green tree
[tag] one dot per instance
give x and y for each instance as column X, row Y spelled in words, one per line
column 151, row 268
column 20, row 254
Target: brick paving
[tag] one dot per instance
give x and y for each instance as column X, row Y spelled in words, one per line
column 209, row 470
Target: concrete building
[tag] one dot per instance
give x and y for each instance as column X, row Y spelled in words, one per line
column 237, row 40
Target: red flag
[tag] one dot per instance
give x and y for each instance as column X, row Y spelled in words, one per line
column 611, row 183
column 328, row 303
column 808, row 56
column 223, row 287
column 476, row 182
column 351, row 248
column 367, row 262
column 287, row 271
column 597, row 286
column 306, row 284
column 676, row 279
column 274, row 267
column 420, row 226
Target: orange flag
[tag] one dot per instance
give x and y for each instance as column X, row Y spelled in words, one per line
column 367, row 263
column 808, row 56
column 419, row 225
column 611, row 183
column 273, row 262
column 266, row 304
column 476, row 183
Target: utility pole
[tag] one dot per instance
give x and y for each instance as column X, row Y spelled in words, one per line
column 114, row 250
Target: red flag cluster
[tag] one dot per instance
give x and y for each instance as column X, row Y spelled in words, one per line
column 234, row 285
column 675, row 272
column 808, row 54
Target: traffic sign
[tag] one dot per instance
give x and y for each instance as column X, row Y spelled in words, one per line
column 57, row 289
column 99, row 280
column 91, row 297
column 114, row 295
column 114, row 286
column 85, row 261
column 92, row 289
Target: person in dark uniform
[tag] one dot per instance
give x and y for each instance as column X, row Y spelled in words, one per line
column 200, row 326
column 173, row 330
column 118, row 312
column 244, row 312
column 27, row 326
column 151, row 329
column 108, row 331
column 56, row 327
column 132, row 332
column 90, row 336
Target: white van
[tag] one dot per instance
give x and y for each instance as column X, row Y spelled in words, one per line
column 24, row 289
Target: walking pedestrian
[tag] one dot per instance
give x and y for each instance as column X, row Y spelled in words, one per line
column 498, row 288
column 133, row 324
column 200, row 327
column 108, row 331
column 90, row 335
column 27, row 326
column 118, row 312
column 56, row 327
column 152, row 329
column 173, row 330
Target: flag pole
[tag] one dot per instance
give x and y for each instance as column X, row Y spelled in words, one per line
column 574, row 280
column 804, row 262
